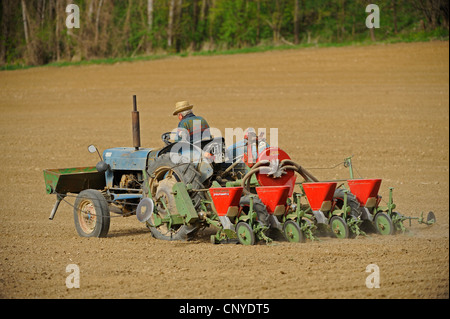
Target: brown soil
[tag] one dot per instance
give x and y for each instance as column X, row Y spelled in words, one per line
column 388, row 105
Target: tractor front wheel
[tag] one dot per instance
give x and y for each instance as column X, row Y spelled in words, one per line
column 91, row 214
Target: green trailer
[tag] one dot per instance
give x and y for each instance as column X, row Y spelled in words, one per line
column 61, row 181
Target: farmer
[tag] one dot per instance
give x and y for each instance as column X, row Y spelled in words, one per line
column 191, row 127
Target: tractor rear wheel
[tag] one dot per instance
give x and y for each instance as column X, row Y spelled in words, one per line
column 163, row 174
column 258, row 207
column 166, row 231
column 351, row 201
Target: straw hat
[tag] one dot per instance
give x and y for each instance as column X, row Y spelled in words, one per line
column 182, row 106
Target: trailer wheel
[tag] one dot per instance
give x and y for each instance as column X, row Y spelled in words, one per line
column 91, row 214
column 383, row 224
column 339, row 227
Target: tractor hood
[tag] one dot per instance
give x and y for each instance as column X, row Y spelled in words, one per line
column 126, row 158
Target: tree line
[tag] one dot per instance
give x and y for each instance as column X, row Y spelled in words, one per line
column 34, row 32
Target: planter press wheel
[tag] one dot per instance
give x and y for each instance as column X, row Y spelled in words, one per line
column 339, row 227
column 397, row 223
column 293, row 232
column 431, row 218
column 245, row 234
column 383, row 224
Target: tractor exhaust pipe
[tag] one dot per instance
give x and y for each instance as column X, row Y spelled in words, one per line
column 135, row 125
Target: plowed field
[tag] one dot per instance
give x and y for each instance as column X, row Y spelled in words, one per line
column 388, row 105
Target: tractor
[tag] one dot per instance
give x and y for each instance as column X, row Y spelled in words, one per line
column 245, row 191
column 165, row 189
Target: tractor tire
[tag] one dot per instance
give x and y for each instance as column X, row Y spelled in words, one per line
column 351, row 201
column 184, row 172
column 259, row 207
column 91, row 214
column 163, row 174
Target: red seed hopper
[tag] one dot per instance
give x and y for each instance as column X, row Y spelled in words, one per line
column 320, row 195
column 274, row 197
column 226, row 200
column 366, row 191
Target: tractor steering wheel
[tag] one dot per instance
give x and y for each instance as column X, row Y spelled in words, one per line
column 165, row 137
